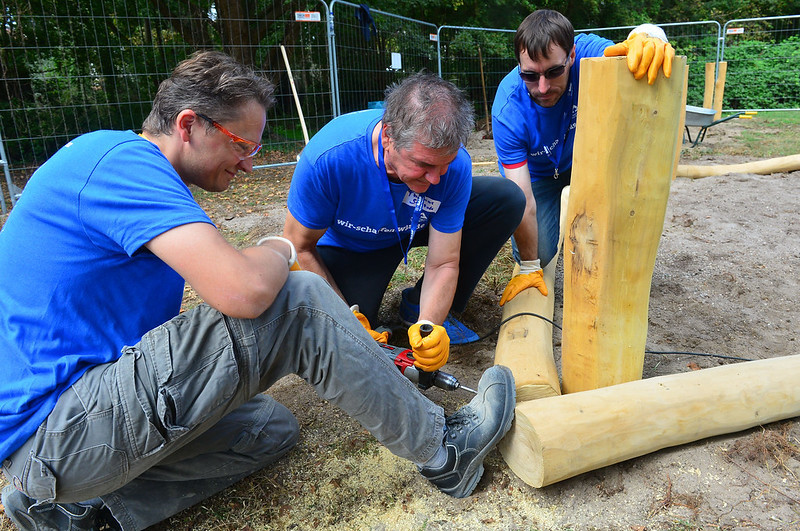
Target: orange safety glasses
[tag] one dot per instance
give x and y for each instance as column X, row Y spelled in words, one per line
column 245, row 148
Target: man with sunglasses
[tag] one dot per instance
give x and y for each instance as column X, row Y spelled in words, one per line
column 117, row 409
column 533, row 122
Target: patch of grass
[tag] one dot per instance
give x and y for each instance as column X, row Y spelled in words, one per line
column 765, row 135
column 770, row 134
column 407, row 274
column 499, row 271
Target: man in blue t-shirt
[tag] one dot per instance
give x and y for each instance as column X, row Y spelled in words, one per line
column 533, row 123
column 115, row 408
column 370, row 185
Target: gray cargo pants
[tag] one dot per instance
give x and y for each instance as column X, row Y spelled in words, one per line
column 179, row 416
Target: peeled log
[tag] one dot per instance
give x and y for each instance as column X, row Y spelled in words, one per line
column 624, row 157
column 525, row 343
column 719, row 89
column 760, row 167
column 556, row 438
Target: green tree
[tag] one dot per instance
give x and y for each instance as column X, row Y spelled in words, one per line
column 73, row 67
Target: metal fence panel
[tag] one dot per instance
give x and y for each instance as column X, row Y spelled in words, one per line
column 68, row 70
column 476, row 60
column 373, row 49
column 763, row 56
column 698, row 41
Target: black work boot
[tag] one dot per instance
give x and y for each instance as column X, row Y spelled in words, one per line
column 26, row 515
column 473, row 431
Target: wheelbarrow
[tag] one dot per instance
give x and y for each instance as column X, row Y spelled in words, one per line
column 704, row 118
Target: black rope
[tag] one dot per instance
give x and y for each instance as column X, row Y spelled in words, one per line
column 697, row 354
column 543, row 318
column 496, row 329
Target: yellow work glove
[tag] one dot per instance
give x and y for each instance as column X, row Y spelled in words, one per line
column 380, row 337
column 431, row 351
column 647, row 51
column 530, row 276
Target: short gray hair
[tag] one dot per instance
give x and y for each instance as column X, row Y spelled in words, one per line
column 208, row 82
column 427, row 109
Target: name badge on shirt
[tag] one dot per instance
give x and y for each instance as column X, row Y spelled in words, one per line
column 428, row 205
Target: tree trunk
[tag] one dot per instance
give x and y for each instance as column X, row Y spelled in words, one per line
column 623, row 163
column 560, row 437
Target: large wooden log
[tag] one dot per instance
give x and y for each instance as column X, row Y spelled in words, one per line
column 560, row 437
column 760, row 167
column 525, row 343
column 625, row 142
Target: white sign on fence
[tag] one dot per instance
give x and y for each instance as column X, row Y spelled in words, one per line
column 307, row 16
column 734, row 31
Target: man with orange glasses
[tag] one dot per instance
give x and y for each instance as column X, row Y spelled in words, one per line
column 116, row 409
column 533, row 121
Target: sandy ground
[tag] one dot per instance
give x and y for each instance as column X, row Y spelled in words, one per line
column 725, row 282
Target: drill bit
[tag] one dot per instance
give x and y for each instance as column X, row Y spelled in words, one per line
column 448, row 382
column 465, row 388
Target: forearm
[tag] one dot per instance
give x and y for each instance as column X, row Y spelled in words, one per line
column 527, row 234
column 238, row 283
column 438, row 290
column 527, row 237
column 265, row 270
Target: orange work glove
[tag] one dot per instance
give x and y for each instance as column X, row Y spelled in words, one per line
column 380, row 337
column 530, row 276
column 431, row 351
column 647, row 51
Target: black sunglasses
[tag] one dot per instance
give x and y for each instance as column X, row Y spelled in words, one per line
column 550, row 73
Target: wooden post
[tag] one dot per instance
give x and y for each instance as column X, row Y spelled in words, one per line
column 623, row 163
column 560, row 437
column 525, row 343
column 681, row 124
column 294, row 93
column 485, row 101
column 708, row 87
column 719, row 89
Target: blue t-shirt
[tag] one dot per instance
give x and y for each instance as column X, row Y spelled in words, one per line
column 541, row 136
column 76, row 283
column 337, row 186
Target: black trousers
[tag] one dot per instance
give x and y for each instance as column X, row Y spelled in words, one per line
column 494, row 211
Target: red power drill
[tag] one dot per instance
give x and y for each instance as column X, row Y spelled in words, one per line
column 404, row 360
